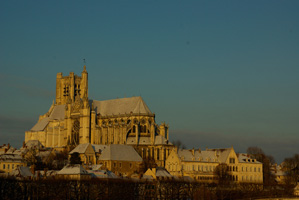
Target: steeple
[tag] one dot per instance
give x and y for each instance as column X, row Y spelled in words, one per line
column 84, row 69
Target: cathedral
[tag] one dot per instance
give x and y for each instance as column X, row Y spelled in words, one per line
column 75, row 119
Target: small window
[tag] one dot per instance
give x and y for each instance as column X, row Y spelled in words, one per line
column 3, row 166
column 8, row 166
column 120, row 165
column 114, row 164
column 131, row 165
column 232, row 160
column 12, row 166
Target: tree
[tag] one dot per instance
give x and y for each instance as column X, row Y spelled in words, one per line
column 222, row 174
column 258, row 154
column 178, row 144
column 291, row 168
column 75, row 158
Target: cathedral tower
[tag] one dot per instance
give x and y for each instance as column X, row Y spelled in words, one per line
column 68, row 87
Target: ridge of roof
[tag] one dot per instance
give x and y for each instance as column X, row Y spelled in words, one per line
column 81, row 148
column 134, row 105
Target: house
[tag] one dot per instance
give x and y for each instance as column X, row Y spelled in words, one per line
column 120, row 159
column 73, row 172
column 158, row 173
column 203, row 165
column 22, row 172
column 86, row 152
column 10, row 162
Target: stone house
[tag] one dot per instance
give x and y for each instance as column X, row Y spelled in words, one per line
column 123, row 160
column 201, row 165
column 86, row 152
column 73, row 172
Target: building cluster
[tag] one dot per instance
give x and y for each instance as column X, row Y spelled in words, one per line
column 115, row 138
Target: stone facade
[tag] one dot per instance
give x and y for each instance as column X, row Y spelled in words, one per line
column 75, row 119
column 201, row 165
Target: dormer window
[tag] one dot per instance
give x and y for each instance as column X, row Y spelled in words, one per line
column 231, row 160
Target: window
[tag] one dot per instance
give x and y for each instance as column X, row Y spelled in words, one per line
column 114, row 164
column 12, row 166
column 131, row 165
column 3, row 166
column 120, row 164
column 7, row 166
column 232, row 160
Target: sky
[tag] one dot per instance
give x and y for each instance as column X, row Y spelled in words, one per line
column 220, row 73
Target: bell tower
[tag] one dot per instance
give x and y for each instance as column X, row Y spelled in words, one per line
column 68, row 87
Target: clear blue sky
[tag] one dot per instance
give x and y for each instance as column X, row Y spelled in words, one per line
column 220, row 73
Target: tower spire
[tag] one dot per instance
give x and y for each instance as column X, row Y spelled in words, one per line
column 84, row 68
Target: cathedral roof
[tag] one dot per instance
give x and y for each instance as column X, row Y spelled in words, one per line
column 134, row 105
column 57, row 113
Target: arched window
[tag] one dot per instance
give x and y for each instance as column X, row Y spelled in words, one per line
column 134, row 129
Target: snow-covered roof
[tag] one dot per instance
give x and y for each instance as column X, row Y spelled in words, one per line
column 159, row 140
column 34, row 144
column 209, row 155
column 161, row 172
column 141, row 140
column 21, row 171
column 81, row 148
column 134, row 105
column 11, row 158
column 72, row 170
column 245, row 158
column 102, row 174
column 98, row 147
column 120, row 152
column 96, row 167
column 57, row 113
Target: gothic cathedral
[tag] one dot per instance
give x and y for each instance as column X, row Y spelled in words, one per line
column 75, row 119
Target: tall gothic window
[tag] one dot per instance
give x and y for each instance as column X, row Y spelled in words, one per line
column 75, row 132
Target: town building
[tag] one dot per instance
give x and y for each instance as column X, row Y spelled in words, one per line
column 10, row 162
column 202, row 165
column 73, row 172
column 123, row 160
column 75, row 119
column 86, row 153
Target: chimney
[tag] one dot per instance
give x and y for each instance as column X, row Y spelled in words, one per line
column 199, row 150
column 8, row 145
column 193, row 151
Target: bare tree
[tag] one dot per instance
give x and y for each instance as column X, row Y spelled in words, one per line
column 258, row 154
column 178, row 144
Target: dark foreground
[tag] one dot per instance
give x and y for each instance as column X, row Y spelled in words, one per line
column 128, row 189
